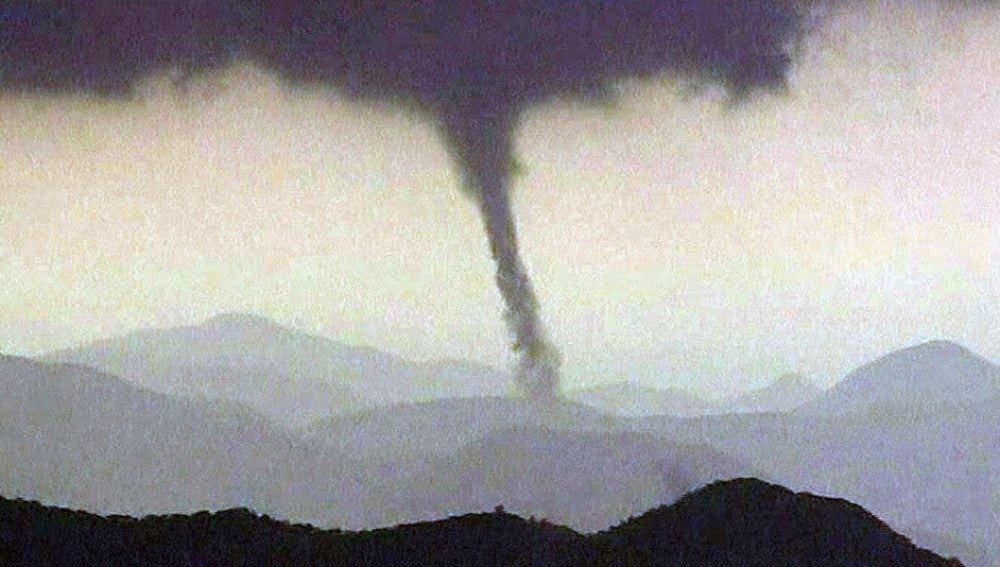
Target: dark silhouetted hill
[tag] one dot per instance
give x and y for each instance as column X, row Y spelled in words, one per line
column 289, row 375
column 744, row 522
column 748, row 523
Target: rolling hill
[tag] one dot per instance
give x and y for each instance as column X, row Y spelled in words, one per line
column 289, row 375
column 928, row 377
column 751, row 523
column 585, row 481
column 75, row 436
column 743, row 522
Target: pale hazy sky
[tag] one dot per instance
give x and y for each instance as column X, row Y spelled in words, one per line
column 672, row 240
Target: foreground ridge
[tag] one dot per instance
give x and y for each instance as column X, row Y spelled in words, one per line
column 743, row 522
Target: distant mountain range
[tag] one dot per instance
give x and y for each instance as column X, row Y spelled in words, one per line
column 289, row 375
column 297, row 378
column 925, row 457
column 71, row 435
column 630, row 399
column 441, row 426
column 925, row 377
column 745, row 523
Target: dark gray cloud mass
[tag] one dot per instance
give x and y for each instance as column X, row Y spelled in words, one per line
column 471, row 66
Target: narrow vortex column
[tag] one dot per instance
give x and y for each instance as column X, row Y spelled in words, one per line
column 481, row 142
column 538, row 366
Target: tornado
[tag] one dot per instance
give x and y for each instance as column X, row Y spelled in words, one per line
column 471, row 67
column 481, row 138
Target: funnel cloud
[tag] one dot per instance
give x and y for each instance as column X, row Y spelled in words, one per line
column 472, row 67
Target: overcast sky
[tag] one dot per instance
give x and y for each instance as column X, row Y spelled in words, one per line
column 672, row 240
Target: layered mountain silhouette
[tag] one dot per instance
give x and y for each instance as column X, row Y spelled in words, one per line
column 291, row 376
column 584, row 480
column 566, row 462
column 75, row 436
column 441, row 426
column 744, row 522
column 371, row 463
column 297, row 378
column 630, row 399
column 71, row 435
column 896, row 436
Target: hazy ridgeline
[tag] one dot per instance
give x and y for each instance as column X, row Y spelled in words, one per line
column 912, row 437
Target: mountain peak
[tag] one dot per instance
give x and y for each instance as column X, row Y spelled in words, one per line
column 923, row 375
column 930, row 352
column 750, row 521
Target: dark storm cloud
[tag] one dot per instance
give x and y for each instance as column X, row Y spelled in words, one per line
column 471, row 65
column 436, row 52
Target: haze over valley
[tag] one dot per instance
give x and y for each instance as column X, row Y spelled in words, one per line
column 180, row 418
